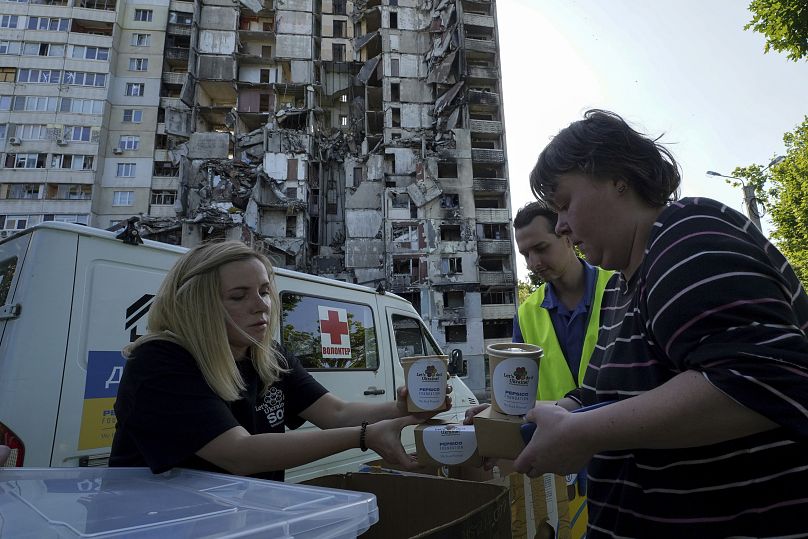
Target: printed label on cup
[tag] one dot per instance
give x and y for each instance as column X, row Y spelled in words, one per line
column 515, row 382
column 450, row 444
column 426, row 383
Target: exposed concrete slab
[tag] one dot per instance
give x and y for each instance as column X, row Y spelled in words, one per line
column 208, row 146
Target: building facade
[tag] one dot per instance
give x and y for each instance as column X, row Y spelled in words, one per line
column 359, row 140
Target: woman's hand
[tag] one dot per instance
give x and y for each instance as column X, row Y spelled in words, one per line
column 401, row 404
column 557, row 446
column 384, row 437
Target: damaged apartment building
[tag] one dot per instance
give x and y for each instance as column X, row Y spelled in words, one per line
column 358, row 140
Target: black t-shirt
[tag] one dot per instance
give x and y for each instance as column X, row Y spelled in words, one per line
column 166, row 411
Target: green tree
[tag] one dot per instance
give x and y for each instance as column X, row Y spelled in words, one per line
column 525, row 287
column 783, row 188
column 784, row 23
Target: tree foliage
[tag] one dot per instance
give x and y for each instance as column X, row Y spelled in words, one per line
column 783, row 188
column 525, row 287
column 784, row 23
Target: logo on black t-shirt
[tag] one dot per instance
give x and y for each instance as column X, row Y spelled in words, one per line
column 273, row 406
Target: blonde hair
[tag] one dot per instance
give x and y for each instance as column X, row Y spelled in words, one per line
column 188, row 310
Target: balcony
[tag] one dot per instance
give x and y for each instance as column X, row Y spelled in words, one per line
column 480, row 97
column 181, row 5
column 490, row 184
column 171, row 77
column 496, row 278
column 485, row 155
column 494, row 247
column 501, row 311
column 171, row 103
column 177, row 53
column 481, row 45
column 178, row 29
column 485, row 126
column 475, row 72
column 473, row 19
column 492, row 215
column 398, row 281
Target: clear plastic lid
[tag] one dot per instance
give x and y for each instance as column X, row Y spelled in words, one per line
column 133, row 502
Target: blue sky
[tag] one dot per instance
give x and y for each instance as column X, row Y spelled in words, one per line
column 686, row 68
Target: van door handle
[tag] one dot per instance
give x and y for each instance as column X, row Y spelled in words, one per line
column 372, row 390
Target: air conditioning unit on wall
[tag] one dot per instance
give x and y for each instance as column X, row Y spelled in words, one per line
column 14, row 141
column 117, row 151
column 61, row 142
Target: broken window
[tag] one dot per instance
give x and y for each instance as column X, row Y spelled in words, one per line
column 395, row 91
column 401, row 200
column 455, row 333
column 291, row 169
column 264, row 76
column 166, row 169
column 393, row 20
column 497, row 329
column 492, row 231
column 163, row 197
column 291, row 192
column 263, row 102
column 450, row 232
column 404, row 266
column 450, row 200
column 338, row 52
column 453, row 299
column 450, row 265
column 340, row 28
column 447, row 170
column 291, row 226
column 492, row 263
column 394, row 63
column 357, row 176
column 497, row 297
column 489, row 203
column 339, row 7
column 412, row 297
column 405, row 236
column 396, row 116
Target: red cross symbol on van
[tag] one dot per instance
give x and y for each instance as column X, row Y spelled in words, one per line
column 334, row 327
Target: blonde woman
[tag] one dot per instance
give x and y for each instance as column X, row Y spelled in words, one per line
column 207, row 388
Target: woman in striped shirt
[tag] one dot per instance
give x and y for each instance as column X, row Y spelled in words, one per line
column 702, row 346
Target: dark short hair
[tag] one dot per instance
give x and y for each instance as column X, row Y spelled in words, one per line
column 604, row 146
column 537, row 208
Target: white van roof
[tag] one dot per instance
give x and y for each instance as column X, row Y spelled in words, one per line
column 107, row 235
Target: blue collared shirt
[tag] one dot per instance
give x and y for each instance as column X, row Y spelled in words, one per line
column 569, row 325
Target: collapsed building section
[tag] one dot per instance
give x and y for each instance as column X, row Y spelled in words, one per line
column 360, row 140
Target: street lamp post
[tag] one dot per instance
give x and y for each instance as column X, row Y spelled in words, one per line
column 750, row 201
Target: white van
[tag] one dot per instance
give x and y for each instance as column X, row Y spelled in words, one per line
column 72, row 297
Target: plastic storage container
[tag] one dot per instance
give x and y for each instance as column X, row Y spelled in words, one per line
column 132, row 502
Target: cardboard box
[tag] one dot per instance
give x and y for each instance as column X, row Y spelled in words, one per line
column 422, row 506
column 439, row 443
column 498, row 435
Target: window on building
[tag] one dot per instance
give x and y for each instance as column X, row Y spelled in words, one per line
column 24, row 191
column 53, row 24
column 264, row 101
column 401, row 201
column 450, row 200
column 166, row 169
column 3, row 131
column 329, row 334
column 492, row 263
column 291, row 169
column 126, row 170
column 135, row 89
column 492, row 231
column 9, row 21
column 343, row 98
column 179, row 17
column 357, row 176
column 339, row 7
column 496, row 297
column 338, row 52
column 395, row 113
column 141, row 40
column 454, row 299
column 394, row 63
column 31, row 103
column 72, row 191
column 291, row 193
column 395, row 91
column 70, row 218
column 129, row 142
column 266, row 52
column 134, row 116
column 25, row 160
column 90, row 53
column 450, row 233
column 16, row 222
column 393, row 20
column 405, row 236
column 144, row 15
column 450, row 265
column 291, row 226
column 30, row 131
column 263, row 76
column 447, row 170
column 81, row 78
column 43, row 49
column 7, row 74
column 343, row 120
column 81, row 106
column 73, row 162
column 497, row 329
column 123, row 198
column 77, row 133
column 10, row 47
column 138, row 64
column 163, row 197
column 340, row 28
column 456, row 334
column 405, row 266
column 39, row 76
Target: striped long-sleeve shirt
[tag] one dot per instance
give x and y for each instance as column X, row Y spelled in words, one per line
column 714, row 296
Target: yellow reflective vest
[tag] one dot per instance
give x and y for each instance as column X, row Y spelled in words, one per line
column 555, row 378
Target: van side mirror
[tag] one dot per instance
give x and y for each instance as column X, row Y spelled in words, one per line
column 457, row 367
